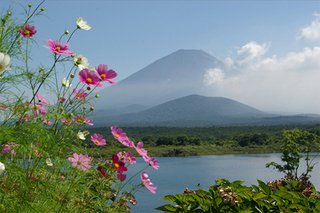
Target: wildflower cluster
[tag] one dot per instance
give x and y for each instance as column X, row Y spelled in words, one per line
column 43, row 154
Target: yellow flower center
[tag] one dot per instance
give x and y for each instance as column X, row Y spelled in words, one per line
column 140, row 151
column 103, row 76
column 116, row 165
column 27, row 32
column 89, row 80
column 36, row 151
column 57, row 49
column 97, row 142
column 117, row 136
column 79, row 60
column 79, row 96
column 129, row 158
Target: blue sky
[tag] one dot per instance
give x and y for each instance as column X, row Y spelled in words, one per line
column 248, row 35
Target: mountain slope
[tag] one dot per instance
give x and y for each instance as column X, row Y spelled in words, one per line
column 192, row 108
column 176, row 75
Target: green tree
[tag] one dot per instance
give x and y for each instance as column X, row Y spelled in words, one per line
column 294, row 143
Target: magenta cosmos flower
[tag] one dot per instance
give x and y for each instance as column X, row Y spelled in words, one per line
column 119, row 134
column 40, row 98
column 98, row 140
column 80, row 94
column 89, row 77
column 27, row 31
column 7, row 148
column 102, row 172
column 152, row 162
column 58, row 48
column 130, row 158
column 118, row 165
column 80, row 161
column 147, row 183
column 142, row 152
column 106, row 74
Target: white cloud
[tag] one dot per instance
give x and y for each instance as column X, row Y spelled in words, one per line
column 287, row 84
column 212, row 76
column 250, row 52
column 311, row 32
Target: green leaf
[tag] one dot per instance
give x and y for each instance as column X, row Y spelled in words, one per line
column 259, row 196
column 264, row 187
column 168, row 208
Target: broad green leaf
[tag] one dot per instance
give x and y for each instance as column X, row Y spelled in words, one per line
column 168, row 208
column 264, row 187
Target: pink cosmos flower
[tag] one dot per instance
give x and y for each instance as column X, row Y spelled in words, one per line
column 102, row 172
column 147, row 183
column 106, row 74
column 121, row 176
column 89, row 77
column 128, row 143
column 118, row 134
column 118, row 165
column 80, row 161
column 40, row 98
column 130, row 158
column 98, row 140
column 27, row 31
column 153, row 163
column 87, row 121
column 3, row 107
column 7, row 148
column 61, row 99
column 45, row 121
column 66, row 121
column 37, row 108
column 142, row 152
column 55, row 46
column 80, row 94
column 26, row 117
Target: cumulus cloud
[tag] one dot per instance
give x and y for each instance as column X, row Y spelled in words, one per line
column 212, row 76
column 311, row 32
column 250, row 52
column 287, row 84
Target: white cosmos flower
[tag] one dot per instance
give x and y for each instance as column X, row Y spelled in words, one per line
column 48, row 162
column 82, row 24
column 2, row 168
column 5, row 63
column 81, row 62
column 82, row 135
column 66, row 83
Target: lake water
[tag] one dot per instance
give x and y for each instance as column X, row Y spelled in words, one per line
column 177, row 173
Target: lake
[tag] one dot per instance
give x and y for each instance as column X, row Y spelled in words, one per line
column 177, row 173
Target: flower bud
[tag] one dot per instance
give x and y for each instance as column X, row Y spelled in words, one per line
column 29, row 5
column 61, row 108
column 97, row 96
column 66, row 32
column 84, row 113
column 72, row 76
column 84, row 107
column 71, row 114
column 18, row 42
column 71, row 102
column 92, row 108
column 42, row 9
column 9, row 13
column 88, row 88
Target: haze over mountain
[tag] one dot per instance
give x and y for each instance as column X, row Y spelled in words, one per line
column 176, row 75
column 196, row 110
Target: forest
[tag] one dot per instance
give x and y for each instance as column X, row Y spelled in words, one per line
column 177, row 141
